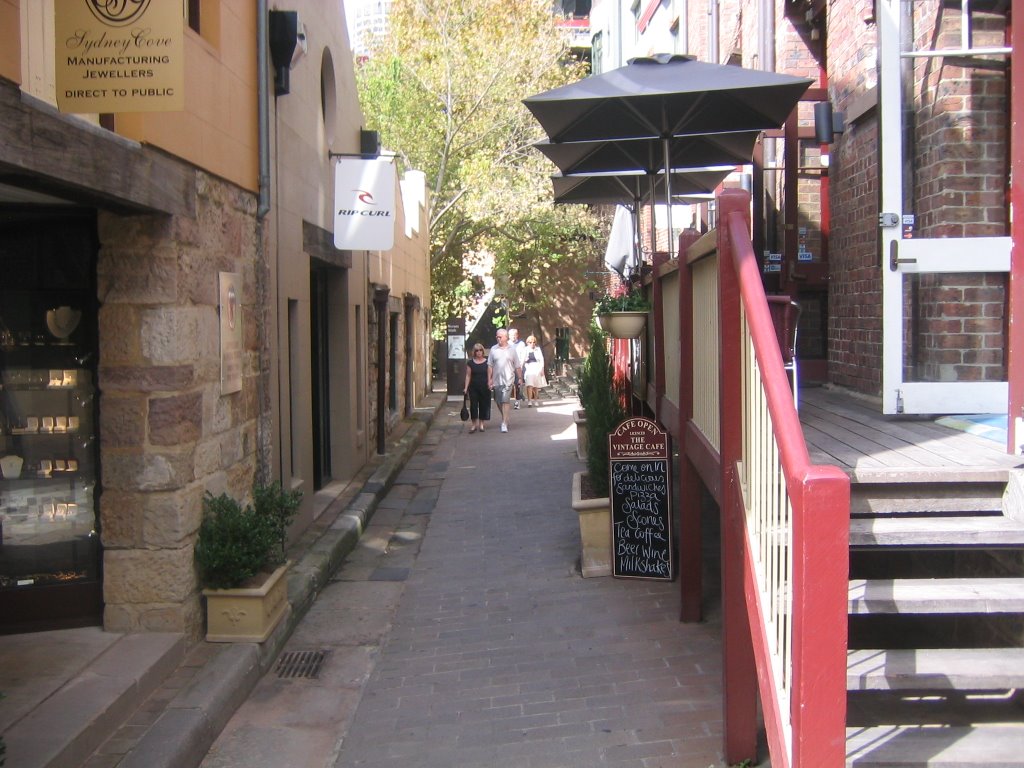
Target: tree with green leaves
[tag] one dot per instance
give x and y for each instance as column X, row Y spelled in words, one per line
column 444, row 88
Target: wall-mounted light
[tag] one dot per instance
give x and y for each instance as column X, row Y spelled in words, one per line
column 827, row 122
column 283, row 32
column 369, row 143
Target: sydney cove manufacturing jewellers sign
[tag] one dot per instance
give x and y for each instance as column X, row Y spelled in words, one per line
column 119, row 55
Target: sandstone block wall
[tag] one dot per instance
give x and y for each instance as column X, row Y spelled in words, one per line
column 168, row 434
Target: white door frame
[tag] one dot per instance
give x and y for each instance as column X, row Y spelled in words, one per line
column 919, row 255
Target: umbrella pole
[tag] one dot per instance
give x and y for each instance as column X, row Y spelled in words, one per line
column 654, row 223
column 668, row 194
column 638, row 236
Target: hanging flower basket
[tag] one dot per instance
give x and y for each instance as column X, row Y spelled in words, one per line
column 623, row 325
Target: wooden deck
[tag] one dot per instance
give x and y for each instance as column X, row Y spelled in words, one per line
column 853, row 434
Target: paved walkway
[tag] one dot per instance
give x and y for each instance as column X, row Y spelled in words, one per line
column 460, row 632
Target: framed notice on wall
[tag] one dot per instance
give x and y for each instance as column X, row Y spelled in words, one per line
column 640, row 465
column 230, row 332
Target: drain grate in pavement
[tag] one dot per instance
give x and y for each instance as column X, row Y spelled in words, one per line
column 301, row 664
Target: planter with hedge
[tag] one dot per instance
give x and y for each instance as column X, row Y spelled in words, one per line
column 590, row 489
column 241, row 558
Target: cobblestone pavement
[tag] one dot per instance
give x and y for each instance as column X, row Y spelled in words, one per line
column 460, row 632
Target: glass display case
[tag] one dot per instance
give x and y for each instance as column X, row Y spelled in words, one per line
column 46, row 516
column 49, row 537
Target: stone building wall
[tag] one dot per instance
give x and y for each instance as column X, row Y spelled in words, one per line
column 168, row 434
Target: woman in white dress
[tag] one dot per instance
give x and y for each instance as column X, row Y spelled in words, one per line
column 533, row 371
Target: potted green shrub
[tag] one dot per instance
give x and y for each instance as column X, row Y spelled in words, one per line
column 623, row 313
column 590, row 488
column 240, row 554
column 584, row 386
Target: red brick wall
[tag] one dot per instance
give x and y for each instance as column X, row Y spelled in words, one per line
column 855, row 288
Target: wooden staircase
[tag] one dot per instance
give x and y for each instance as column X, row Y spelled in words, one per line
column 935, row 672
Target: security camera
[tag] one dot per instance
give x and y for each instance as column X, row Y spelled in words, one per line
column 302, row 45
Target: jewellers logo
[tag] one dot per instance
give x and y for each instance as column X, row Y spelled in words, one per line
column 118, row 13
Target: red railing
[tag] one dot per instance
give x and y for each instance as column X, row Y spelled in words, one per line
column 785, row 522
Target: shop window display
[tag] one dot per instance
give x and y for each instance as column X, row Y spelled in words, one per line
column 49, row 537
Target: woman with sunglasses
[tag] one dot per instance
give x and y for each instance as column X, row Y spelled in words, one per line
column 476, row 389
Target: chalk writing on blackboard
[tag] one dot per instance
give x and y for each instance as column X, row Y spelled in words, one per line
column 640, row 489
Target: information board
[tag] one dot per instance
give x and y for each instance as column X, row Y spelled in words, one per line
column 640, row 489
column 455, row 364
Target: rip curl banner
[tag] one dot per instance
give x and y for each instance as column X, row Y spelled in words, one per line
column 124, row 56
column 364, row 204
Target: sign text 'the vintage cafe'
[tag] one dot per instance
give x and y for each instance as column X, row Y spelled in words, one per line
column 119, row 57
column 364, row 205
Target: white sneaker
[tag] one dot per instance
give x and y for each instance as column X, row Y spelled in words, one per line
column 504, row 427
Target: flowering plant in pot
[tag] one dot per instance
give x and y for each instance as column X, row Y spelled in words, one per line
column 623, row 313
column 241, row 558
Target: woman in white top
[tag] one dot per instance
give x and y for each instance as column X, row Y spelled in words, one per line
column 533, row 371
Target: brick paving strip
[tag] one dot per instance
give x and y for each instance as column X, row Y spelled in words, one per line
column 502, row 655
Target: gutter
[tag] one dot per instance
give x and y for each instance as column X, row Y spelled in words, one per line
column 263, row 108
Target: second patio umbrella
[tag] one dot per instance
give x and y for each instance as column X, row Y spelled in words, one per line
column 647, row 155
column 631, row 189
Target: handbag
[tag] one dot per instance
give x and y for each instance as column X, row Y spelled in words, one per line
column 464, row 413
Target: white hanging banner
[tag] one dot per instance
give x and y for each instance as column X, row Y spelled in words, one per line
column 364, row 205
column 620, row 254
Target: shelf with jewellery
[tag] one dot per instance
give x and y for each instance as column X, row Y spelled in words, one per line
column 48, row 450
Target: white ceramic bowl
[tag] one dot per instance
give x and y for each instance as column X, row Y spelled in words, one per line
column 62, row 321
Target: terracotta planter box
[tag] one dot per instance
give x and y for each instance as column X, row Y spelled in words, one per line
column 595, row 516
column 623, row 325
column 247, row 614
column 579, row 418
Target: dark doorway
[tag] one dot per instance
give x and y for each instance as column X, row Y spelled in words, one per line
column 393, row 362
column 320, row 377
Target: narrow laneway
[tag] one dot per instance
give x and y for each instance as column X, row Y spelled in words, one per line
column 460, row 633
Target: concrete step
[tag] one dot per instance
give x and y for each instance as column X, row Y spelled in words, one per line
column 863, row 477
column 992, row 746
column 942, row 596
column 978, row 669
column 63, row 730
column 926, row 498
column 946, row 532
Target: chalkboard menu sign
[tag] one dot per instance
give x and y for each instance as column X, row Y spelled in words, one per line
column 641, row 487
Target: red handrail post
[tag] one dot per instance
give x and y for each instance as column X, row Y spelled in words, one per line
column 658, row 311
column 821, row 547
column 738, row 668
